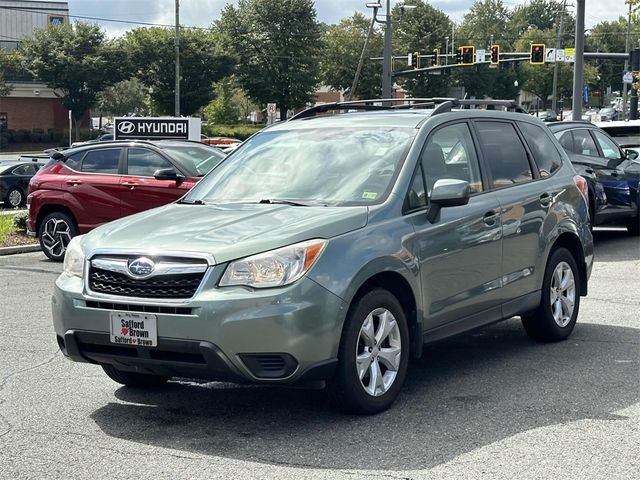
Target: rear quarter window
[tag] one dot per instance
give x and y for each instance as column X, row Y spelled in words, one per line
column 545, row 153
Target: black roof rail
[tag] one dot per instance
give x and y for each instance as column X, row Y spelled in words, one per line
column 440, row 104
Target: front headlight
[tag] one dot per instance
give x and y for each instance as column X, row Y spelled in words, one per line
column 74, row 258
column 275, row 268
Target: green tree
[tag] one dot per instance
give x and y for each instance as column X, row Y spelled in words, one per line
column 223, row 110
column 125, row 97
column 421, row 30
column 202, row 63
column 75, row 60
column 343, row 45
column 11, row 63
column 278, row 45
column 541, row 15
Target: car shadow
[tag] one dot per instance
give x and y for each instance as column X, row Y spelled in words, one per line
column 613, row 244
column 465, row 393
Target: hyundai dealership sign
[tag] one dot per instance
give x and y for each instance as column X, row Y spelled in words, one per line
column 156, row 128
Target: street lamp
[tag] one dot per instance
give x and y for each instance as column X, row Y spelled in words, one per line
column 387, row 80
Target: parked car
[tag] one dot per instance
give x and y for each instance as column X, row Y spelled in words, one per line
column 106, row 137
column 547, row 116
column 14, row 181
column 220, row 142
column 606, row 114
column 331, row 248
column 626, row 134
column 612, row 173
column 87, row 186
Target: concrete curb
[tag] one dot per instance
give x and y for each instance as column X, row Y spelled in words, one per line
column 20, row 249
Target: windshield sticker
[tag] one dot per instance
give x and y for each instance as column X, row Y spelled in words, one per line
column 369, row 195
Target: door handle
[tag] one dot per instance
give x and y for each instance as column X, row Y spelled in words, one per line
column 73, row 183
column 129, row 185
column 490, row 218
column 545, row 199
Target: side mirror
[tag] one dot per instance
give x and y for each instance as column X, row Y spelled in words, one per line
column 631, row 154
column 447, row 192
column 168, row 174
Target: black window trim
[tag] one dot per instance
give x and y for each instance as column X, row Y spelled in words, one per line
column 405, row 205
column 592, row 132
column 485, row 163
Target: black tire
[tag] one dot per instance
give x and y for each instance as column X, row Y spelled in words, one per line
column 55, row 232
column 633, row 225
column 132, row 379
column 540, row 324
column 346, row 389
column 14, row 198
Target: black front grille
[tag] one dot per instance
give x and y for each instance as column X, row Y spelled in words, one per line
column 140, row 308
column 161, row 286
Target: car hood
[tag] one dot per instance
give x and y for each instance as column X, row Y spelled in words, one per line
column 227, row 232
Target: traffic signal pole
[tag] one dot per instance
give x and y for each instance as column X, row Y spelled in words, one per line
column 386, row 63
column 633, row 104
column 554, row 100
column 578, row 68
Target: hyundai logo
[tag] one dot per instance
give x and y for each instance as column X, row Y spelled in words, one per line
column 141, row 267
column 126, row 127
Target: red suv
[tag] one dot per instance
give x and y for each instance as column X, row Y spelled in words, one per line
column 82, row 188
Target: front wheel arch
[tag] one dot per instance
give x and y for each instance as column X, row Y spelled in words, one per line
column 572, row 243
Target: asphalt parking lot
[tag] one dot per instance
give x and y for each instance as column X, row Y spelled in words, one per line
column 489, row 404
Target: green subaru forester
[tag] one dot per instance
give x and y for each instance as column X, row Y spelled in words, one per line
column 331, row 248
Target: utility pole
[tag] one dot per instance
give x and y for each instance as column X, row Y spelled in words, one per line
column 177, row 42
column 635, row 66
column 554, row 100
column 354, row 86
column 386, row 63
column 446, row 51
column 578, row 67
column 625, row 86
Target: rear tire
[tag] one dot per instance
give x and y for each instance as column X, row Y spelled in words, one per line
column 14, row 198
column 56, row 231
column 132, row 379
column 373, row 355
column 556, row 316
column 633, row 225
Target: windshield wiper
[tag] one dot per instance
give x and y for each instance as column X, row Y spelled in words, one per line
column 191, row 202
column 279, row 201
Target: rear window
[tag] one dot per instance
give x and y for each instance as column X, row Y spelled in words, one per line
column 544, row 151
column 624, row 135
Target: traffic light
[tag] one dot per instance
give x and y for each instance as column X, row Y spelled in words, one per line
column 414, row 60
column 468, row 55
column 537, row 54
column 435, row 61
column 495, row 54
column 459, row 56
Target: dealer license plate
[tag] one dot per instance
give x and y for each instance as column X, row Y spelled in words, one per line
column 137, row 329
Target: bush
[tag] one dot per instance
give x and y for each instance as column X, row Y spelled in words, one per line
column 37, row 137
column 4, row 141
column 241, row 132
column 18, row 136
column 55, row 135
column 26, row 135
column 20, row 220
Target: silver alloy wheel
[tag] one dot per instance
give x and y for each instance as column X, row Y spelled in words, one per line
column 15, row 198
column 563, row 294
column 378, row 352
column 56, row 235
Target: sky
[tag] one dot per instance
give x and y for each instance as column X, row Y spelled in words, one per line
column 202, row 13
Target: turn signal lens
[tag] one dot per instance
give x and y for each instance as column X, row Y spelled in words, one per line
column 581, row 183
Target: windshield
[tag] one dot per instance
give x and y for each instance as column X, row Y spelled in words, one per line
column 196, row 159
column 332, row 166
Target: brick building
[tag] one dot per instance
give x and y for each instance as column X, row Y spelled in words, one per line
column 30, row 104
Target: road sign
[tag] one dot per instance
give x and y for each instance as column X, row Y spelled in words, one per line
column 480, row 53
column 570, row 55
column 560, row 54
column 627, row 77
column 271, row 108
column 551, row 55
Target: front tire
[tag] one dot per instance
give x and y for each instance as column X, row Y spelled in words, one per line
column 133, row 379
column 633, row 225
column 56, row 231
column 556, row 316
column 373, row 356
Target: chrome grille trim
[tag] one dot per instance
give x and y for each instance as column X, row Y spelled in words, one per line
column 118, row 265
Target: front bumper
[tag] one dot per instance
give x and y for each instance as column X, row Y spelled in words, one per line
column 282, row 335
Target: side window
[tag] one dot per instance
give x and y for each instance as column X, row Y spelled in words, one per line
column 143, row 162
column 583, row 144
column 505, row 155
column 25, row 170
column 101, row 161
column 544, row 151
column 566, row 141
column 608, row 146
column 450, row 153
column 417, row 197
column 74, row 162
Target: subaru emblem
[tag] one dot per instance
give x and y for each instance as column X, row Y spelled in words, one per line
column 141, row 267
